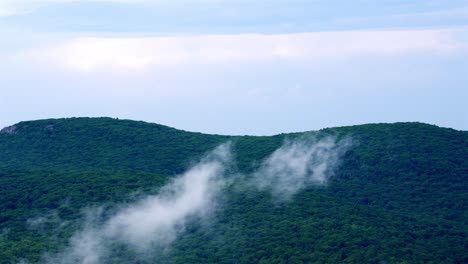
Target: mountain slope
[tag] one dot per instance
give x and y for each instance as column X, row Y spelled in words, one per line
column 102, row 143
column 399, row 194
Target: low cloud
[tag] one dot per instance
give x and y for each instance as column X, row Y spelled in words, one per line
column 299, row 164
column 43, row 222
column 155, row 222
column 161, row 216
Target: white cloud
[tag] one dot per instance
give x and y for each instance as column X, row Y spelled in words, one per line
column 154, row 221
column 96, row 53
column 299, row 164
column 157, row 220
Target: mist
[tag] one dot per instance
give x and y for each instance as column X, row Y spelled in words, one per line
column 298, row 164
column 155, row 221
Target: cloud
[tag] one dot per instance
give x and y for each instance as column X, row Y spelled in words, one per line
column 299, row 164
column 153, row 221
column 158, row 218
column 40, row 222
column 94, row 53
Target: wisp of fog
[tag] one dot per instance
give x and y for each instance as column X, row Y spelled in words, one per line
column 298, row 164
column 154, row 220
column 157, row 220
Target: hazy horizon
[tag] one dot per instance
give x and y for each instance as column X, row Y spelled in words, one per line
column 236, row 67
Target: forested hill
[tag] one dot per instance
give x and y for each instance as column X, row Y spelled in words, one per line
column 106, row 143
column 399, row 195
column 103, row 143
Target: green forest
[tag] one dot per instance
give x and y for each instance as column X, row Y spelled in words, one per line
column 399, row 194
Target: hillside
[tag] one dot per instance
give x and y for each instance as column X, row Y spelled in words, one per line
column 399, row 194
column 102, row 143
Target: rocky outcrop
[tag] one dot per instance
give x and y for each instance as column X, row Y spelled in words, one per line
column 10, row 130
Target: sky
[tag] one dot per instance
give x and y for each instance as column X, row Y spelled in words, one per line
column 236, row 66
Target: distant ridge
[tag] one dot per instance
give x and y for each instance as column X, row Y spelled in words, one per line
column 126, row 144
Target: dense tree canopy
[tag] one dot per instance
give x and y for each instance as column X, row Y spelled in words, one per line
column 399, row 195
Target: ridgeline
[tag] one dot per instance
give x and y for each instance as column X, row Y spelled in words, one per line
column 399, row 195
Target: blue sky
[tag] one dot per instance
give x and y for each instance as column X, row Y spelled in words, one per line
column 236, row 67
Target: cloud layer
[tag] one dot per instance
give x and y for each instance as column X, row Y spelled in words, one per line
column 267, row 83
column 91, row 54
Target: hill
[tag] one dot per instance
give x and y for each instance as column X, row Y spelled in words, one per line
column 398, row 195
